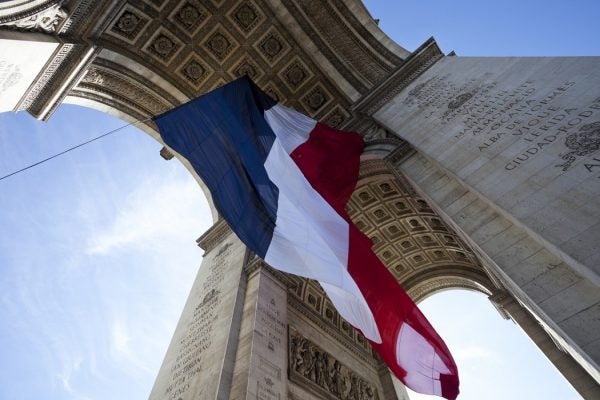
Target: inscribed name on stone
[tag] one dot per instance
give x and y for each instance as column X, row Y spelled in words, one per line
column 194, row 360
column 523, row 132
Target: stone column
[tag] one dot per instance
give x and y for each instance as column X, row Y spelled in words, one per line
column 200, row 359
column 261, row 362
column 578, row 377
column 505, row 151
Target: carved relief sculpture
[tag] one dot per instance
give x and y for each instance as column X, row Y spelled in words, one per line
column 318, row 371
column 47, row 20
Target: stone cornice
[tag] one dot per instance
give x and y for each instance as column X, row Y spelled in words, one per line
column 401, row 153
column 417, row 63
column 214, row 235
column 317, row 320
column 23, row 12
column 256, row 263
column 62, row 71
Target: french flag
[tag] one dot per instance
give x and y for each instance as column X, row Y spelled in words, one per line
column 282, row 180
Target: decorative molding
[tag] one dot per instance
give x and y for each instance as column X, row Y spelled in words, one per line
column 122, row 88
column 402, row 152
column 255, row 263
column 140, row 80
column 319, row 372
column 22, row 12
column 501, row 299
column 47, row 20
column 381, row 51
column 429, row 284
column 372, row 168
column 121, row 106
column 343, row 68
column 64, row 59
column 332, row 325
column 83, row 13
column 356, row 61
column 214, row 235
column 417, row 63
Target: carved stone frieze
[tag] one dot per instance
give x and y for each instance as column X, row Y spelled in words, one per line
column 417, row 63
column 318, row 371
column 49, row 82
column 46, row 20
column 80, row 16
column 308, row 298
column 125, row 89
column 214, row 235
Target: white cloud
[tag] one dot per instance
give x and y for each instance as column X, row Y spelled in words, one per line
column 120, row 338
column 65, row 377
column 152, row 211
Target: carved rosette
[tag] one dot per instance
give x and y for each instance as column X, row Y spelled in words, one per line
column 246, row 17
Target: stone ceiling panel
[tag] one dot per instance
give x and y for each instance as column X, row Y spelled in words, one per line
column 407, row 234
column 199, row 45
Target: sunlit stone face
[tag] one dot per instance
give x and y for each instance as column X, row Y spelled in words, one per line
column 20, row 62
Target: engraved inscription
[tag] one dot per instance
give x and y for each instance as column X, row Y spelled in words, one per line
column 10, row 75
column 489, row 115
column 265, row 390
column 199, row 331
column 593, row 166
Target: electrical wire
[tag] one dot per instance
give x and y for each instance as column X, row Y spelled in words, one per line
column 73, row 148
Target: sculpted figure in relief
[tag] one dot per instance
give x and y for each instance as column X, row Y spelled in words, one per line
column 44, row 21
column 315, row 365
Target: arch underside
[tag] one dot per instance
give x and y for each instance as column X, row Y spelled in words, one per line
column 135, row 59
column 146, row 57
column 321, row 58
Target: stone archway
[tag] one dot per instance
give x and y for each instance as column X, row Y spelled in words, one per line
column 136, row 59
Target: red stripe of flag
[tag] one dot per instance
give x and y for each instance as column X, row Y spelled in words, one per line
column 330, row 160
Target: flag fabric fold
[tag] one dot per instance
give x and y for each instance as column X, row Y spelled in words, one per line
column 282, row 180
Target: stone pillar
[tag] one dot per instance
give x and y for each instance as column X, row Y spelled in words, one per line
column 578, row 377
column 200, row 359
column 261, row 362
column 505, row 150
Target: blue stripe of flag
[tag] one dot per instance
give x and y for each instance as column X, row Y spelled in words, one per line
column 226, row 139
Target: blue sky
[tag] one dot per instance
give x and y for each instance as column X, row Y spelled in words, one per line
column 97, row 248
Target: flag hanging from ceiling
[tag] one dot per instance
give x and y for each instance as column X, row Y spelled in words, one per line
column 282, row 180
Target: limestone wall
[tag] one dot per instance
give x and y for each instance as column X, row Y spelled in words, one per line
column 508, row 150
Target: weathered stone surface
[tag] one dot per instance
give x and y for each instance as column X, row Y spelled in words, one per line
column 523, row 133
column 199, row 356
column 22, row 58
column 498, row 191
